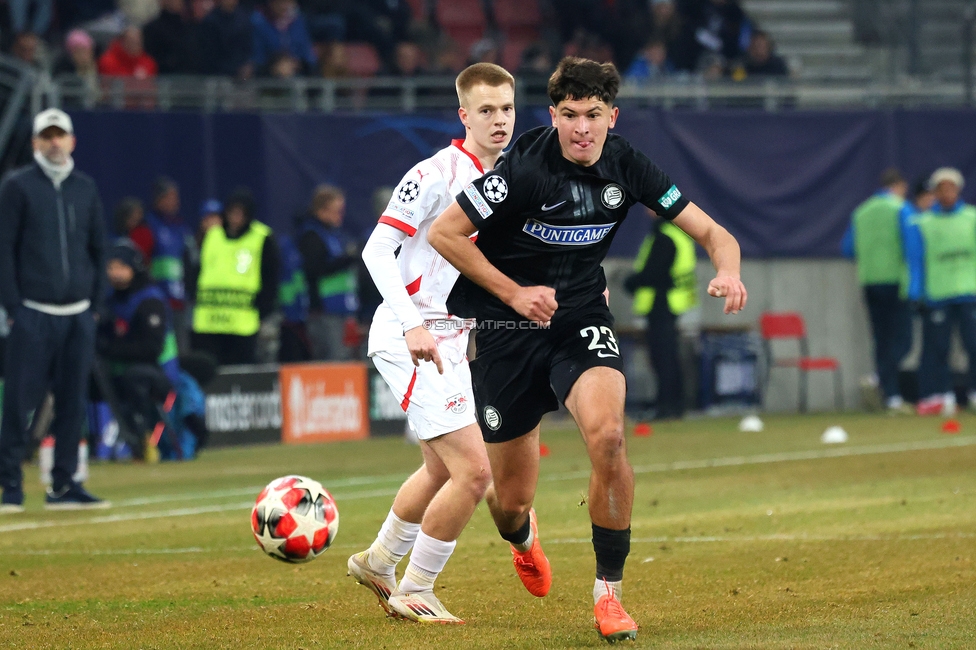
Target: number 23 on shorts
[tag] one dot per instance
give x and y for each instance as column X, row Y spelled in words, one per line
column 602, row 340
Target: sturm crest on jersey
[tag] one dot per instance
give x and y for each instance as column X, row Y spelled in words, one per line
column 496, row 189
column 408, row 192
column 613, row 196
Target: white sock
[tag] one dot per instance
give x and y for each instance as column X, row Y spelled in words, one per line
column 600, row 589
column 394, row 540
column 428, row 559
column 895, row 402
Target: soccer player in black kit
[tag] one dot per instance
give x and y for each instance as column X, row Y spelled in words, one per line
column 545, row 217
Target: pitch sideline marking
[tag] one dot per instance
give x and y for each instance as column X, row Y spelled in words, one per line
column 780, row 537
column 802, row 537
column 162, row 514
column 732, row 461
column 788, row 456
column 252, row 490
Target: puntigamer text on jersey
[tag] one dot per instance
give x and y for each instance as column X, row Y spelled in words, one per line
column 567, row 235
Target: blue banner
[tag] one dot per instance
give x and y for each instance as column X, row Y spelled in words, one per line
column 783, row 183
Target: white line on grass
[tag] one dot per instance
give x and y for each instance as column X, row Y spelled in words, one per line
column 253, row 490
column 177, row 512
column 189, row 550
column 640, row 469
column 787, row 456
column 779, row 537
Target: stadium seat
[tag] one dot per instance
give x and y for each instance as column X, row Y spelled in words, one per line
column 417, row 7
column 518, row 19
column 463, row 20
column 512, row 54
column 791, row 326
column 362, row 59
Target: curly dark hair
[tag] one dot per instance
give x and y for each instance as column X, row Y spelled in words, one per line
column 576, row 78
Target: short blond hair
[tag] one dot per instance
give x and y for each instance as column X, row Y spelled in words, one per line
column 481, row 73
column 324, row 196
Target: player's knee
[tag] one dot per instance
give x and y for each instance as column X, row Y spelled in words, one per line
column 513, row 507
column 605, row 442
column 472, row 478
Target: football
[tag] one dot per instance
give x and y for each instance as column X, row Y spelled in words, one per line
column 294, row 519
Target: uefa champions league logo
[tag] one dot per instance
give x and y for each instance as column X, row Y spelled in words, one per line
column 496, row 189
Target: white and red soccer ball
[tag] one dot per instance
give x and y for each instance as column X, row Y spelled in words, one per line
column 294, row 519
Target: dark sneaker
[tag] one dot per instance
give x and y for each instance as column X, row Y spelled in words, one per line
column 12, row 501
column 73, row 497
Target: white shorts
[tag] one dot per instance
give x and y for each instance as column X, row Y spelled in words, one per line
column 435, row 404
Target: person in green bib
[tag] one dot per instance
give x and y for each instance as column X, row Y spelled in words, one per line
column 664, row 287
column 330, row 260
column 874, row 240
column 238, row 283
column 940, row 248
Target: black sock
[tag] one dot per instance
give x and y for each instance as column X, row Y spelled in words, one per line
column 519, row 536
column 611, row 548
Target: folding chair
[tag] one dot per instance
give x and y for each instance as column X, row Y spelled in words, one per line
column 790, row 325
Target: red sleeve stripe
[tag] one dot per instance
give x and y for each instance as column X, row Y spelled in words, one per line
column 399, row 225
column 413, row 287
column 406, row 398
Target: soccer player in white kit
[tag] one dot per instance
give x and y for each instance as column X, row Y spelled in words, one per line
column 420, row 349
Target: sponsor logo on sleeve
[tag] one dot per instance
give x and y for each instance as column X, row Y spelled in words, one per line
column 478, row 201
column 496, row 189
column 669, row 197
column 396, row 207
column 613, row 196
column 408, row 192
column 567, row 235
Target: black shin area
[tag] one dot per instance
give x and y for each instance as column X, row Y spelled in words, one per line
column 519, row 536
column 611, row 548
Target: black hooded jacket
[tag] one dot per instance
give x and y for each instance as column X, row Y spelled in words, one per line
column 52, row 240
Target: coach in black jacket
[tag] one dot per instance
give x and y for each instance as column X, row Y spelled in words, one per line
column 52, row 252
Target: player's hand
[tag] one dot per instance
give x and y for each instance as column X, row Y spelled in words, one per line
column 606, row 295
column 422, row 347
column 730, row 288
column 535, row 303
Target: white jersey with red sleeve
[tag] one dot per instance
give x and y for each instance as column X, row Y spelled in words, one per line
column 422, row 195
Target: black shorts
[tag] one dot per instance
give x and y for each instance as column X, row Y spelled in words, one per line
column 520, row 374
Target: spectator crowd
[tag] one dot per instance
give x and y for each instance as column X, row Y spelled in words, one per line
column 649, row 40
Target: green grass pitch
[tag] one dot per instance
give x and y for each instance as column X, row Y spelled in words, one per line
column 740, row 540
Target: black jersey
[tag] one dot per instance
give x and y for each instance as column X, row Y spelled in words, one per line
column 544, row 220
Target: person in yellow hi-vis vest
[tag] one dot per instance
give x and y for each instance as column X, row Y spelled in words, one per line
column 940, row 249
column 664, row 287
column 238, row 283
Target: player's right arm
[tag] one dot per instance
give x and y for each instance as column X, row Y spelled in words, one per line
column 379, row 255
column 450, row 235
column 722, row 249
column 411, row 201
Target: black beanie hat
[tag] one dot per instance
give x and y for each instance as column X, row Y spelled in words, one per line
column 124, row 250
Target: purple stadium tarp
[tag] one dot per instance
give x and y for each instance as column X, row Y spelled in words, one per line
column 783, row 183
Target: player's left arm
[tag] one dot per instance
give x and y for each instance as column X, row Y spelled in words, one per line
column 722, row 249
